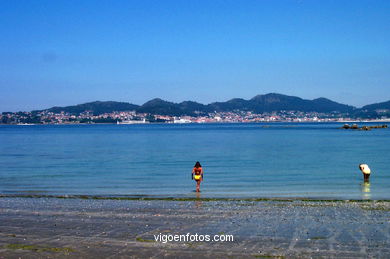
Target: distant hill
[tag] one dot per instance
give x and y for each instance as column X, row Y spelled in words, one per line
column 190, row 107
column 376, row 110
column 159, row 106
column 258, row 104
column 377, row 106
column 326, row 105
column 231, row 105
column 96, row 108
column 277, row 102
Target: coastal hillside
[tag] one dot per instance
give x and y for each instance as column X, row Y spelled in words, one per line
column 258, row 104
column 96, row 108
column 278, row 102
column 159, row 106
column 373, row 111
column 377, row 106
column 271, row 102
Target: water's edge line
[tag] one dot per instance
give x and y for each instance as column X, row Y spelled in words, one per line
column 144, row 198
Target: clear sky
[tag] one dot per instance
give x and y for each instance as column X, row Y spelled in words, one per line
column 70, row 52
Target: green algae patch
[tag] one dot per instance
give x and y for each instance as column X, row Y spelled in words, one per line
column 139, row 239
column 318, row 238
column 322, row 200
column 192, row 245
column 37, row 248
column 246, row 204
column 269, row 256
column 143, row 198
column 309, row 205
column 379, row 208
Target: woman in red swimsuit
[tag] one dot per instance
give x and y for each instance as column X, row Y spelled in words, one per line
column 197, row 175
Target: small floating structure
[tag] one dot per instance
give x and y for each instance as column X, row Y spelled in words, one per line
column 356, row 127
column 132, row 122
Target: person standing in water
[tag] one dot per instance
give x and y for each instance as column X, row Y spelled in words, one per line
column 366, row 171
column 197, row 175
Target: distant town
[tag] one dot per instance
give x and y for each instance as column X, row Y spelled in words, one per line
column 132, row 117
column 261, row 108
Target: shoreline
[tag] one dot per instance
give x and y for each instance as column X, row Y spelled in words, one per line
column 178, row 198
column 233, row 122
column 75, row 228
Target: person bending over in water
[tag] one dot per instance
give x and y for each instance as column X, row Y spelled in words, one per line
column 197, row 175
column 366, row 171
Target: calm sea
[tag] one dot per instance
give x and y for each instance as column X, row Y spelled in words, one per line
column 240, row 160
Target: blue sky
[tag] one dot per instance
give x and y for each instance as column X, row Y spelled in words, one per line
column 70, row 52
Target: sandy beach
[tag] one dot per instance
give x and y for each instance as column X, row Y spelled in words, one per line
column 103, row 228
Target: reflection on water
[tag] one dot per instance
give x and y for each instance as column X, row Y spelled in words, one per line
column 198, row 202
column 366, row 190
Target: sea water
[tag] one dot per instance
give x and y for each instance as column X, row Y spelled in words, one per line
column 304, row 160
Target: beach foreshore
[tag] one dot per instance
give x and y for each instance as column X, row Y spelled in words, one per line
column 49, row 227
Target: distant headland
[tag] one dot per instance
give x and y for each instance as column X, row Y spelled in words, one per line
column 267, row 107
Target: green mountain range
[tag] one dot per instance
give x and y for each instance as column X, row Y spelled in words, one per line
column 258, row 104
column 377, row 106
column 97, row 108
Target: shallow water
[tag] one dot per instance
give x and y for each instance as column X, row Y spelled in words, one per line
column 240, row 160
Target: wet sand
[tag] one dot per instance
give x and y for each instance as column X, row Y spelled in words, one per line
column 99, row 228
